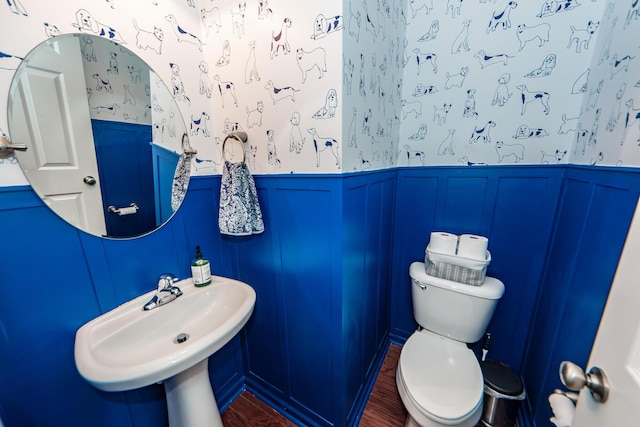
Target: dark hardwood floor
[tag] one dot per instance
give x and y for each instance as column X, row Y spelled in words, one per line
column 384, row 407
column 247, row 410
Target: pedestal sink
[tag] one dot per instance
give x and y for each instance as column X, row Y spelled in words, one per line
column 128, row 348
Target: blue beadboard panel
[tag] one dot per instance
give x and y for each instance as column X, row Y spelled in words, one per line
column 295, row 264
column 368, row 202
column 590, row 230
column 48, row 295
column 252, row 259
column 358, row 292
column 461, row 203
column 307, row 241
column 321, row 272
column 522, row 215
column 164, row 168
column 415, row 216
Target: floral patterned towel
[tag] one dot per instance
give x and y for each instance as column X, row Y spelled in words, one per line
column 240, row 213
column 181, row 180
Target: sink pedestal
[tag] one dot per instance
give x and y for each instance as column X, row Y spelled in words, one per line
column 190, row 399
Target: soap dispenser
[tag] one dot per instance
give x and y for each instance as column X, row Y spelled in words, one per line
column 200, row 270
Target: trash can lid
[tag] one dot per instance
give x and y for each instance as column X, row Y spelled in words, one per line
column 501, row 378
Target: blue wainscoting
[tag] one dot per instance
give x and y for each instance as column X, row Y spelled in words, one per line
column 120, row 147
column 555, row 235
column 321, row 273
column 331, row 276
column 366, row 287
column 591, row 225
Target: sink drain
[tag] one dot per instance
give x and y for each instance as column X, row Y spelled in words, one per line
column 181, row 338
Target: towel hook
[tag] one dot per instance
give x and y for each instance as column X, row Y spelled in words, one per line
column 241, row 137
column 186, row 146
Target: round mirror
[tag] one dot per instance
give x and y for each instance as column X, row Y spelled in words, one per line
column 106, row 145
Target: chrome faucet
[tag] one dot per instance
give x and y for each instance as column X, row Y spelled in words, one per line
column 165, row 293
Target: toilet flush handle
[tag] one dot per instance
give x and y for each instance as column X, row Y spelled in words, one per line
column 422, row 286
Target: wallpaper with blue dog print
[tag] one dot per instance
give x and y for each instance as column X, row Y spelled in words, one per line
column 337, row 87
column 506, row 82
column 274, row 71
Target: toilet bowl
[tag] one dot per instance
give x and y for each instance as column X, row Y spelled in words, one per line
column 439, row 381
column 438, row 377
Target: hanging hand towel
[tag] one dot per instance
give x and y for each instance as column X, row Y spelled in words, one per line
column 182, row 174
column 181, row 180
column 240, row 213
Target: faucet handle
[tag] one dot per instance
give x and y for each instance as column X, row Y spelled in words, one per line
column 166, row 281
column 165, row 293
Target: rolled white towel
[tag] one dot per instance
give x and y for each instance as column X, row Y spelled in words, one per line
column 563, row 410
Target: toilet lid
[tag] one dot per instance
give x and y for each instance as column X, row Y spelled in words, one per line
column 442, row 376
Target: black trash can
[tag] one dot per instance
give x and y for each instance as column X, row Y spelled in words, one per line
column 503, row 392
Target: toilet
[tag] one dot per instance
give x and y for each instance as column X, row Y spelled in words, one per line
column 438, row 377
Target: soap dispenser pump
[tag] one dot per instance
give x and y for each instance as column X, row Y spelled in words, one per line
column 200, row 270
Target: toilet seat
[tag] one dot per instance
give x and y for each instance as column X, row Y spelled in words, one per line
column 441, row 379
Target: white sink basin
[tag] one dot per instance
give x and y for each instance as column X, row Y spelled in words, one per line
column 128, row 348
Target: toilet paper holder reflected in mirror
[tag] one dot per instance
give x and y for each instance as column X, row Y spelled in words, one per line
column 7, row 149
column 129, row 210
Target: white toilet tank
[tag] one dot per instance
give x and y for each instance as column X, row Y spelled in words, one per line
column 455, row 310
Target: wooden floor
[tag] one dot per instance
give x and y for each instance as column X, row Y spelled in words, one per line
column 384, row 407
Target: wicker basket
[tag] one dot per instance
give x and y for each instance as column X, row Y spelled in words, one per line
column 456, row 268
